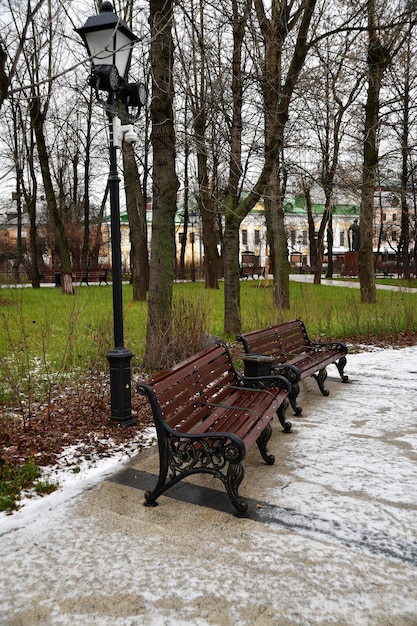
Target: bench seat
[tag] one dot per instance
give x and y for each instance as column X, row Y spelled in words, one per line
column 207, row 416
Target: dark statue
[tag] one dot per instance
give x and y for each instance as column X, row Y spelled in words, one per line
column 353, row 236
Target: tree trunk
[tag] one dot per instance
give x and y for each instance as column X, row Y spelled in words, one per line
column 4, row 79
column 165, row 184
column 232, row 316
column 377, row 60
column 230, row 244
column 277, row 238
column 66, row 270
column 30, row 199
column 85, row 250
column 136, row 211
column 277, row 96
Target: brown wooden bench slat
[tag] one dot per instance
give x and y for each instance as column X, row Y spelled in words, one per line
column 295, row 355
column 233, row 420
column 207, row 416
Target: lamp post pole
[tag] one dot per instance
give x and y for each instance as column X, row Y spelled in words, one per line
column 109, row 43
column 119, row 357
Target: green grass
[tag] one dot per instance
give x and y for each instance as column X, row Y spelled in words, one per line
column 45, row 330
column 14, row 480
column 332, row 311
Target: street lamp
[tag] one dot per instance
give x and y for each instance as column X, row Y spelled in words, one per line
column 109, row 43
column 192, row 217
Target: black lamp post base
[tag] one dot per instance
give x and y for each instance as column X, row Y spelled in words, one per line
column 120, row 386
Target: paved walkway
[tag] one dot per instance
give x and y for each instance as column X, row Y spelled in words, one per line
column 309, row 278
column 332, row 537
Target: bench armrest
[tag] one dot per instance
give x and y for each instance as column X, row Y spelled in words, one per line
column 245, row 343
column 290, row 372
column 233, row 447
column 330, row 345
column 274, row 380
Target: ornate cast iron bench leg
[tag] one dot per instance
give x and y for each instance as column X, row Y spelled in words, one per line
column 234, row 477
column 151, row 496
column 320, row 378
column 281, row 416
column 341, row 364
column 262, row 443
column 292, row 396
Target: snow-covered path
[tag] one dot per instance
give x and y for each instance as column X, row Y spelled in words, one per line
column 333, row 539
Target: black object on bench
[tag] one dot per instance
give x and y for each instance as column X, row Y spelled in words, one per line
column 295, row 355
column 207, row 416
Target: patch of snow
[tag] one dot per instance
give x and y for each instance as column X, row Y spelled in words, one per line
column 73, row 476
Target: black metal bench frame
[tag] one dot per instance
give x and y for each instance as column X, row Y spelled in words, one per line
column 207, row 416
column 296, row 356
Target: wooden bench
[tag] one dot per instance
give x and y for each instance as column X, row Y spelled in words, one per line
column 388, row 268
column 207, row 416
column 295, row 356
column 79, row 276
column 251, row 266
column 49, row 276
column 86, row 276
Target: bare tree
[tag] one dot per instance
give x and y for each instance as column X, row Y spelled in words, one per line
column 39, row 105
column 277, row 89
column 9, row 53
column 402, row 82
column 136, row 211
column 165, row 183
column 385, row 39
column 328, row 91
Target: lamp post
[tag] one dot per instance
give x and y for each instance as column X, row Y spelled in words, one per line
column 192, row 219
column 109, row 43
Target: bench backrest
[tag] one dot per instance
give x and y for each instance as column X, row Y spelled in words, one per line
column 278, row 341
column 250, row 260
column 182, row 390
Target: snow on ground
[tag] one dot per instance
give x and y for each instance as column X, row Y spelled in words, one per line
column 72, row 483
column 336, row 544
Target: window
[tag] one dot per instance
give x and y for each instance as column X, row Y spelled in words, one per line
column 305, row 238
column 384, row 217
column 293, row 238
column 394, row 235
column 244, row 237
column 342, row 238
column 180, row 237
column 394, row 217
column 257, row 237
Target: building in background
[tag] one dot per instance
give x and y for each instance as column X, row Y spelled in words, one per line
column 253, row 238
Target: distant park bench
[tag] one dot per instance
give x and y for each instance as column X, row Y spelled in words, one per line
column 295, row 356
column 251, row 266
column 99, row 275
column 94, row 276
column 207, row 416
column 388, row 268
